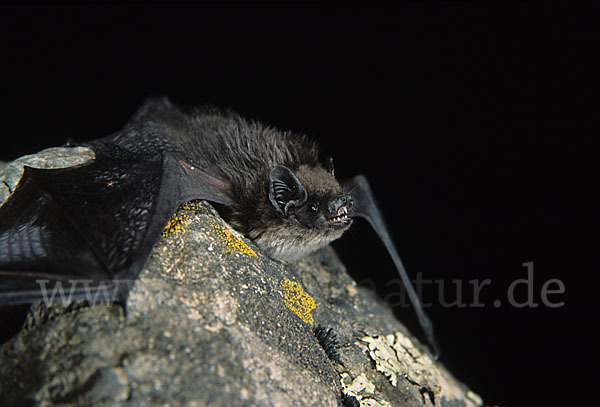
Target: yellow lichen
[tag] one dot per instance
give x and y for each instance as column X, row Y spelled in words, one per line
column 297, row 300
column 174, row 224
column 179, row 219
column 230, row 241
column 191, row 206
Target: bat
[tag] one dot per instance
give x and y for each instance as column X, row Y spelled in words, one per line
column 99, row 220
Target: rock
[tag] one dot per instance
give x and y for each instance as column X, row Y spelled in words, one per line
column 211, row 321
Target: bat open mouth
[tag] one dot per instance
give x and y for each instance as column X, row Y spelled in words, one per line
column 341, row 217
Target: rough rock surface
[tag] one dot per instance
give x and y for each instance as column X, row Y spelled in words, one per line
column 213, row 322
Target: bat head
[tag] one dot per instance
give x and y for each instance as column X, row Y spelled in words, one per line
column 320, row 204
column 311, row 211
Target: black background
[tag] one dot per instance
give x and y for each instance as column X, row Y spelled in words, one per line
column 456, row 112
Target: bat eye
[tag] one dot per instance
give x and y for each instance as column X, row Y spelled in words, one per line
column 314, row 207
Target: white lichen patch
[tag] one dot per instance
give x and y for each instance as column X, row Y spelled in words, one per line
column 396, row 356
column 50, row 158
column 363, row 390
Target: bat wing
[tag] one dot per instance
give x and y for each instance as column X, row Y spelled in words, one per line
column 365, row 206
column 91, row 227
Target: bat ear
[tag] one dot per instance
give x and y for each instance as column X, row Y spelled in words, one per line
column 285, row 189
column 330, row 167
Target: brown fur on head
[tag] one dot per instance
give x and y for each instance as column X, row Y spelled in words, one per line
column 318, row 181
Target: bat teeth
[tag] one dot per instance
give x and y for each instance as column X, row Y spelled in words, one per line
column 342, row 212
column 339, row 218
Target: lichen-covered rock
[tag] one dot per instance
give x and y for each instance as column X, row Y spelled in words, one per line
column 211, row 321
